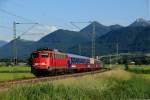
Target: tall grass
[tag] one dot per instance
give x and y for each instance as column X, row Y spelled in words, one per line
column 107, row 86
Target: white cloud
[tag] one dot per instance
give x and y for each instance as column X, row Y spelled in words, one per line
column 35, row 33
column 38, row 32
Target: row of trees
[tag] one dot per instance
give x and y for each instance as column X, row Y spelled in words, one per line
column 9, row 62
column 137, row 60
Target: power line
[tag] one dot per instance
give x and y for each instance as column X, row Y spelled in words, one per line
column 14, row 15
column 5, row 27
column 76, row 26
column 9, row 28
column 18, row 16
column 93, row 35
column 27, row 30
column 72, row 23
column 15, row 38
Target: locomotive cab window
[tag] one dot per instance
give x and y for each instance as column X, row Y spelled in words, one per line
column 35, row 55
column 44, row 55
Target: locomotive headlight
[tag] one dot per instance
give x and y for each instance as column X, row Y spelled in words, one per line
column 43, row 63
column 36, row 64
column 73, row 66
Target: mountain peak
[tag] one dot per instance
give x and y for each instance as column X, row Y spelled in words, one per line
column 99, row 29
column 140, row 22
column 115, row 27
column 97, row 24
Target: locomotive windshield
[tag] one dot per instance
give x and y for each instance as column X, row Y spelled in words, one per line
column 35, row 55
column 44, row 55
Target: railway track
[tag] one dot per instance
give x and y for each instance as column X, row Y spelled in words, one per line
column 8, row 84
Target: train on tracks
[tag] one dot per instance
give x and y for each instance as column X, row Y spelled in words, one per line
column 48, row 61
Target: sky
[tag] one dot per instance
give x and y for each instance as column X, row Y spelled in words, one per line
column 55, row 14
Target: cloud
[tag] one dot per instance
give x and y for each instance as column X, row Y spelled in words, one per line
column 43, row 29
column 38, row 32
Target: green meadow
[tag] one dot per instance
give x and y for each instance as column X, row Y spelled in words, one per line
column 116, row 84
column 15, row 72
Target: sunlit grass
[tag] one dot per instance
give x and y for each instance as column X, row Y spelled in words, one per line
column 140, row 69
column 15, row 68
column 17, row 72
column 116, row 84
column 12, row 76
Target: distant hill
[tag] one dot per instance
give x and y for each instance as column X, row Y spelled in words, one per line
column 115, row 27
column 2, row 43
column 129, row 39
column 140, row 23
column 133, row 38
column 99, row 29
column 62, row 39
column 24, row 49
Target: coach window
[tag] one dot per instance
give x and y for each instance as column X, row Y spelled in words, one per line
column 63, row 56
column 56, row 56
column 60, row 56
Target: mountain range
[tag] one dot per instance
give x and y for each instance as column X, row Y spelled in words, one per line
column 132, row 38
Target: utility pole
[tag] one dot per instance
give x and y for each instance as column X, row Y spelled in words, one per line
column 15, row 52
column 14, row 44
column 77, row 27
column 117, row 52
column 79, row 49
column 93, row 35
column 93, row 41
column 110, row 62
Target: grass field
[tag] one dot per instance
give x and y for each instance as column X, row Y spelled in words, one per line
column 116, row 84
column 143, row 69
column 10, row 73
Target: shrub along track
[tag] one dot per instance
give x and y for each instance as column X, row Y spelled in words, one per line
column 7, row 84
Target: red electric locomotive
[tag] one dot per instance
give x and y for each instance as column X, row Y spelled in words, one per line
column 46, row 61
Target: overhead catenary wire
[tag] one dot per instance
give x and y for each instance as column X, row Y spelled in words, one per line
column 14, row 15
column 14, row 31
column 93, row 35
column 5, row 27
column 20, row 17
